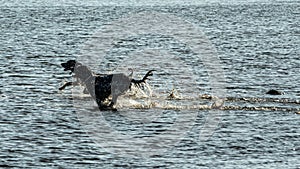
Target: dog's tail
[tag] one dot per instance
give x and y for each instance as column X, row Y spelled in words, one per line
column 138, row 83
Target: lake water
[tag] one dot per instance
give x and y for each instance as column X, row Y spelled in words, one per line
column 258, row 50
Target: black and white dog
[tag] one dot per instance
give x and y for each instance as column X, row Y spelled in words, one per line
column 100, row 87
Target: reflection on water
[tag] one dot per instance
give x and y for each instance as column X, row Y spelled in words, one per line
column 257, row 45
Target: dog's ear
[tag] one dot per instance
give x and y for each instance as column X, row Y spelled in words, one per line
column 72, row 62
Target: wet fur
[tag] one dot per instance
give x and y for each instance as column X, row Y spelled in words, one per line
column 100, row 87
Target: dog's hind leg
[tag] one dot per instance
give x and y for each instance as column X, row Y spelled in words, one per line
column 113, row 101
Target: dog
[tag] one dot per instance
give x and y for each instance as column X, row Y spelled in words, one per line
column 101, row 86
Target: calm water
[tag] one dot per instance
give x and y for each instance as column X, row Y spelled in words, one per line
column 258, row 47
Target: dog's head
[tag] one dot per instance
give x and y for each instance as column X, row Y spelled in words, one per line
column 69, row 65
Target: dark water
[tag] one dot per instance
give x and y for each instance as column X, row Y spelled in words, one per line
column 258, row 47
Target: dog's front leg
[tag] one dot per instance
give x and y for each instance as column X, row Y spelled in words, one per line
column 68, row 84
column 65, row 85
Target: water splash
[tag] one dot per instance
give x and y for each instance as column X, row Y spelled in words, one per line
column 147, row 98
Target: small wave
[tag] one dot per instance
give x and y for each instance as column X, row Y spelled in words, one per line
column 260, row 108
column 260, row 100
